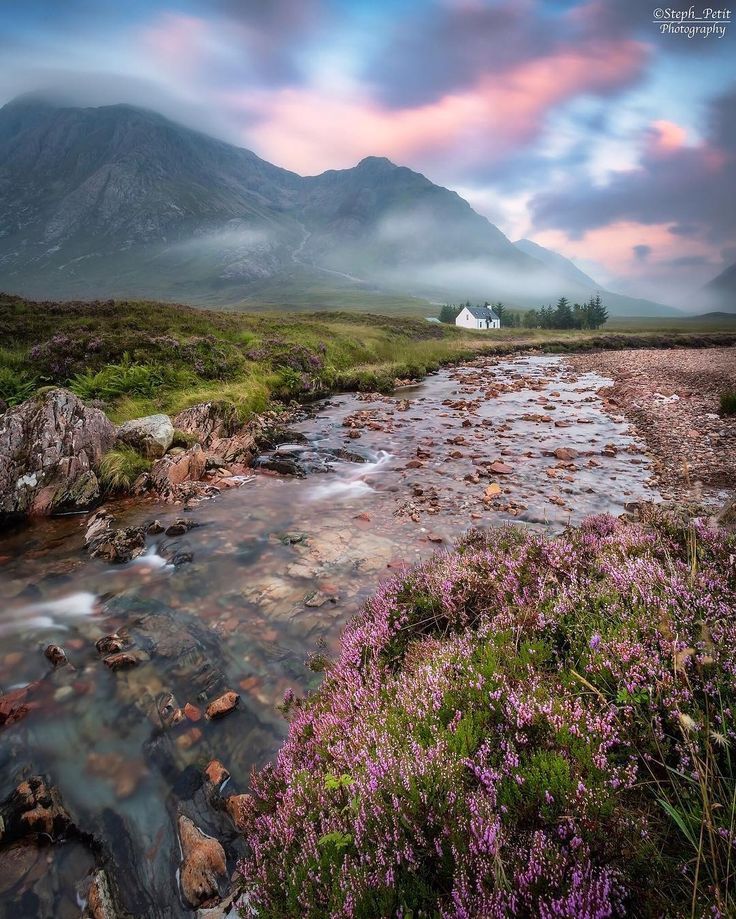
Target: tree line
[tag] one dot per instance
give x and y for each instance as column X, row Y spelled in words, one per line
column 589, row 315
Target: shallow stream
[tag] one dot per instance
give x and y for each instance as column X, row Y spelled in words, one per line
column 277, row 567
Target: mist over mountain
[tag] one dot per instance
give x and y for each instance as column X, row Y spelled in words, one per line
column 118, row 201
column 720, row 293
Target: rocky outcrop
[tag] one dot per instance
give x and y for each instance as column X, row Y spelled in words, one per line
column 209, row 421
column 150, row 436
column 174, row 469
column 50, row 448
column 218, row 429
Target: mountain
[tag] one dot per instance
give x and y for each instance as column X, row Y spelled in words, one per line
column 558, row 263
column 720, row 293
column 118, row 201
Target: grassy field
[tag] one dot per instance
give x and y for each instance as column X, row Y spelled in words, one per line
column 137, row 357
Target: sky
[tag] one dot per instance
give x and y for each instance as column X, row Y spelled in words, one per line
column 593, row 127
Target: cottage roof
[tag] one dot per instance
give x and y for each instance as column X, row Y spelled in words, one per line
column 482, row 312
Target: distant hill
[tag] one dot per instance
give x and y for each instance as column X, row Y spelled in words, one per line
column 720, row 293
column 118, row 201
column 558, row 263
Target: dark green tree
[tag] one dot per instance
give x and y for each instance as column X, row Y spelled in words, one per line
column 563, row 318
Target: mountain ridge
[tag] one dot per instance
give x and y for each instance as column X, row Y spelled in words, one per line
column 121, row 201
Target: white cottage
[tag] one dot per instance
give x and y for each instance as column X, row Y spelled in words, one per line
column 478, row 317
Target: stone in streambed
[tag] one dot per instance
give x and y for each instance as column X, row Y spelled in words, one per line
column 125, row 660
column 56, row 655
column 103, row 540
column 151, row 436
column 223, row 705
column 110, row 644
column 203, row 864
column 216, row 773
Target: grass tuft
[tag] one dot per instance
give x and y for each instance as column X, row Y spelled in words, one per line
column 120, row 467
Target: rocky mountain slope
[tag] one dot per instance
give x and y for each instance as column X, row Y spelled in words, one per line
column 119, row 201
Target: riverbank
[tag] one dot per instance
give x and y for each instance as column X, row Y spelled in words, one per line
column 673, row 399
column 134, row 358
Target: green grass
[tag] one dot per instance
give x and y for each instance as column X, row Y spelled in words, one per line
column 119, row 468
column 728, row 403
column 139, row 357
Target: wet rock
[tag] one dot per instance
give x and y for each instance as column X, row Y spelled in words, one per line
column 318, row 598
column 151, row 436
column 103, row 540
column 236, row 807
column 21, row 863
column 500, row 468
column 223, row 705
column 216, row 773
column 14, row 705
column 124, row 660
column 180, row 526
column 155, row 528
column 203, row 864
column 110, row 644
column 51, row 446
column 100, row 900
column 34, row 807
column 565, row 453
column 170, row 473
column 56, row 655
column 192, row 713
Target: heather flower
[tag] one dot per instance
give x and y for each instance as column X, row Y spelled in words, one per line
column 468, row 756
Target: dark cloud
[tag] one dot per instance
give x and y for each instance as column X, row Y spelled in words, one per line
column 621, row 18
column 642, row 252
column 691, row 187
column 440, row 48
column 689, row 261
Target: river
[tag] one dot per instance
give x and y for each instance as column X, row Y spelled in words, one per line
column 277, row 566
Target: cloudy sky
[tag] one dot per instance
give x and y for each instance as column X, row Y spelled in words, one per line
column 576, row 123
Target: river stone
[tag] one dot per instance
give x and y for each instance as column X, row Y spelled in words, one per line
column 203, row 863
column 151, row 436
column 50, row 447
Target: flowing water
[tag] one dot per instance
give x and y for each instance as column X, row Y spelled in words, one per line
column 277, row 568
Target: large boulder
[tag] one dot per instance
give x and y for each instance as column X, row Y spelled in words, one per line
column 150, row 436
column 50, row 448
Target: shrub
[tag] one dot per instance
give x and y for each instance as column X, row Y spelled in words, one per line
column 16, row 385
column 521, row 727
column 120, row 467
column 728, row 403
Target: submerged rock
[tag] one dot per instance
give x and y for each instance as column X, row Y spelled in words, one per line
column 151, row 436
column 223, row 705
column 50, row 447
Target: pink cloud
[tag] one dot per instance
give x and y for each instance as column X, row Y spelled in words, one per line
column 665, row 137
column 178, row 42
column 310, row 129
column 613, row 246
